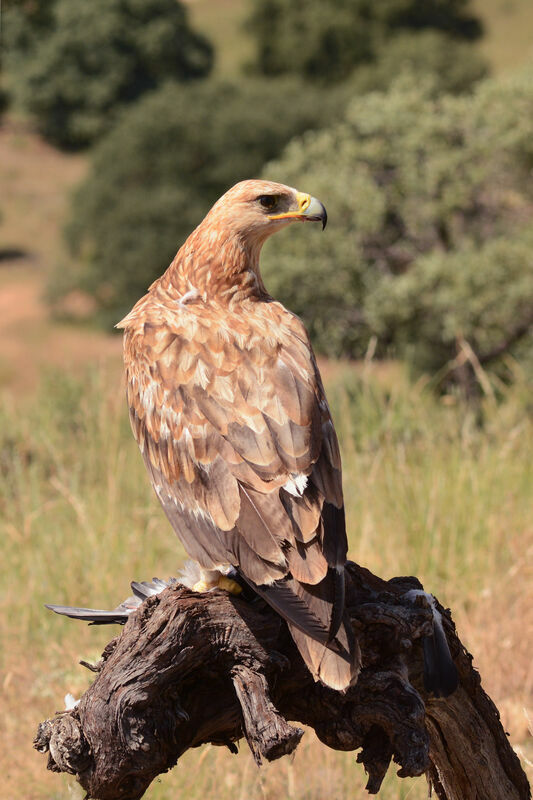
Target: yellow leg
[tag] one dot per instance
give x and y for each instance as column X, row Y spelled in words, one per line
column 229, row 585
column 222, row 582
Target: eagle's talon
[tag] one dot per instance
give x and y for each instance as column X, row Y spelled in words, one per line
column 229, row 585
column 219, row 581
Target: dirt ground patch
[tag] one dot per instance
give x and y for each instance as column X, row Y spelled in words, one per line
column 35, row 184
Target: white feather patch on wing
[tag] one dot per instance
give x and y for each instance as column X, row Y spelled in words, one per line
column 201, row 374
column 147, row 395
column 296, row 485
column 164, row 430
column 197, row 511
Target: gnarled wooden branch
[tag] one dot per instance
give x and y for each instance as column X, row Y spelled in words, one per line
column 193, row 668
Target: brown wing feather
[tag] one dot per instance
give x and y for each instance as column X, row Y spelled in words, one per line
column 263, row 524
column 337, row 667
column 305, row 511
column 307, row 563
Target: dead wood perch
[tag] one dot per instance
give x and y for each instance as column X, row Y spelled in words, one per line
column 194, row 668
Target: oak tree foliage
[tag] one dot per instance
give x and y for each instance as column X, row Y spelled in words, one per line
column 429, row 242
column 75, row 65
column 325, row 40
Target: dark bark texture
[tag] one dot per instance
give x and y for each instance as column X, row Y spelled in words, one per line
column 193, row 668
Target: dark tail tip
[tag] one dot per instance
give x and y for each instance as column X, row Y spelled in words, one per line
column 337, row 612
column 440, row 673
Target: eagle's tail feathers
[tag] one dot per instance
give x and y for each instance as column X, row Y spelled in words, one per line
column 96, row 616
column 319, row 626
column 337, row 668
column 281, row 596
column 119, row 615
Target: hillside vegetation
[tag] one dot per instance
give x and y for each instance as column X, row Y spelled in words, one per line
column 430, row 240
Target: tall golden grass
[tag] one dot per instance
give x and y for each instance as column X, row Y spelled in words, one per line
column 432, row 488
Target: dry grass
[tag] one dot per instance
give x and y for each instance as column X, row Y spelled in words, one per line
column 35, row 180
column 222, row 22
column 428, row 492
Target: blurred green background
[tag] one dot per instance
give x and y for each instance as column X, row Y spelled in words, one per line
column 122, row 121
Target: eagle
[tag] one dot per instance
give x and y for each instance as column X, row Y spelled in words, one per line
column 229, row 411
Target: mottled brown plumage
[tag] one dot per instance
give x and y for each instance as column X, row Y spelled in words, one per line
column 229, row 411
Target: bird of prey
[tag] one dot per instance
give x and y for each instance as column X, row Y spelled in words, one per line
column 228, row 408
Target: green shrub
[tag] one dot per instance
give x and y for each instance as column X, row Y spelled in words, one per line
column 324, row 40
column 157, row 173
column 25, row 23
column 418, row 188
column 454, row 66
column 478, row 295
column 77, row 64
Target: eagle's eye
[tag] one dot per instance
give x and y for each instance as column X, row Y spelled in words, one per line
column 268, row 201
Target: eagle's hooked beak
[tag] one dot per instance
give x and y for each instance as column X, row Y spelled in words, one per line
column 309, row 210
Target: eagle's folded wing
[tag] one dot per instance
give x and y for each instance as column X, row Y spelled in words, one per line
column 238, row 440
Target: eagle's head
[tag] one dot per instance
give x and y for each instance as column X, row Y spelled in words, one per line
column 253, row 210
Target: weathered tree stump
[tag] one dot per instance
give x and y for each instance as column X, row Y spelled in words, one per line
column 194, row 668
